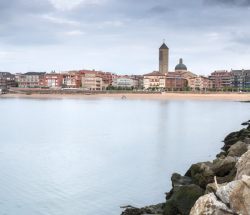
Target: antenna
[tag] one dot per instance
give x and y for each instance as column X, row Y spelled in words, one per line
column 164, row 40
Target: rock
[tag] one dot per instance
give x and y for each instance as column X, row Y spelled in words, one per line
column 212, row 188
column 245, row 123
column 201, row 174
column 222, row 167
column 153, row 209
column 234, row 137
column 182, row 199
column 178, row 180
column 236, row 194
column 237, row 149
column 247, row 140
column 243, row 166
column 230, row 139
column 209, row 205
column 228, row 178
column 132, row 211
column 221, row 155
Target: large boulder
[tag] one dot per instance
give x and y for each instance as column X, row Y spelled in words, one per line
column 178, row 180
column 237, row 149
column 236, row 194
column 182, row 199
column 212, row 187
column 153, row 209
column 243, row 165
column 201, row 173
column 234, row 137
column 209, row 205
column 222, row 167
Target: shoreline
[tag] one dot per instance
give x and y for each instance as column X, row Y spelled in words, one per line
column 244, row 97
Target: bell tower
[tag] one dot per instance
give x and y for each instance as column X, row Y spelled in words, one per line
column 163, row 58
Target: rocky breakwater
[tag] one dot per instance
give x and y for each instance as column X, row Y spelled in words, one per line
column 221, row 186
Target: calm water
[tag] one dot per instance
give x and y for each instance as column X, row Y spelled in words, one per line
column 88, row 157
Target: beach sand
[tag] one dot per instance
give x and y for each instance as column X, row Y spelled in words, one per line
column 163, row 96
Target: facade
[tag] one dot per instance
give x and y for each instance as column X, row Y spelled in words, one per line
column 174, row 81
column 240, row 79
column 30, row 79
column 154, row 80
column 53, row 80
column 200, row 83
column 164, row 59
column 72, row 79
column 92, row 81
column 126, row 82
column 221, row 79
column 7, row 80
column 107, row 77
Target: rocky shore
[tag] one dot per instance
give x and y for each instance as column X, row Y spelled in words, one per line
column 220, row 187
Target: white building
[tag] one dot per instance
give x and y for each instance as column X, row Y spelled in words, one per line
column 125, row 82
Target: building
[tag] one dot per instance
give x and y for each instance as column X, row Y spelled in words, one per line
column 7, row 80
column 174, row 81
column 221, row 79
column 240, row 79
column 139, row 81
column 163, row 59
column 53, row 80
column 92, row 81
column 30, row 79
column 107, row 77
column 125, row 82
column 154, row 80
column 72, row 79
column 200, row 83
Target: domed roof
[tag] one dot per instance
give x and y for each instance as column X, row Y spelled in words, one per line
column 181, row 66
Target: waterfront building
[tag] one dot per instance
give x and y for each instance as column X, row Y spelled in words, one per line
column 163, row 59
column 138, row 80
column 7, row 80
column 125, row 82
column 30, row 79
column 92, row 81
column 154, row 80
column 240, row 79
column 72, row 79
column 182, row 70
column 200, row 83
column 107, row 77
column 53, row 80
column 221, row 79
column 174, row 81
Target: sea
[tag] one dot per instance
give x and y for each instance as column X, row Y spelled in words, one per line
column 91, row 156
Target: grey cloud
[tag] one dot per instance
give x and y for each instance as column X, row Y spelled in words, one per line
column 228, row 2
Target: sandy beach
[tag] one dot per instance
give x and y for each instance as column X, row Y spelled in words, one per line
column 163, row 96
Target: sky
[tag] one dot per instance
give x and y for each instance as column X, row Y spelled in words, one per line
column 123, row 36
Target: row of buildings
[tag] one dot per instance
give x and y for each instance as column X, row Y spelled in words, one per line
column 163, row 80
column 182, row 79
column 89, row 80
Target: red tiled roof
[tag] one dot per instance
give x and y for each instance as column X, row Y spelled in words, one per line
column 155, row 73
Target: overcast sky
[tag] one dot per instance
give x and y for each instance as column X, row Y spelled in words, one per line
column 123, row 36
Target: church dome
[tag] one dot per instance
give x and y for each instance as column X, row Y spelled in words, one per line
column 181, row 66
